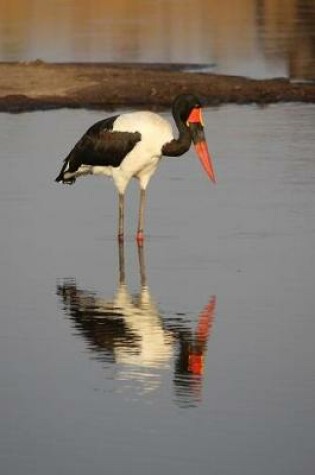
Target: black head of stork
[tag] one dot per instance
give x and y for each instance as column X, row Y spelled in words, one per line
column 131, row 145
column 187, row 113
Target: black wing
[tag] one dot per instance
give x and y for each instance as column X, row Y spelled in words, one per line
column 101, row 146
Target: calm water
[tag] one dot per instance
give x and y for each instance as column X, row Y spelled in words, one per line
column 195, row 356
column 258, row 38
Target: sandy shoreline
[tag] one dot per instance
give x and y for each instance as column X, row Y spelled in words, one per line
column 39, row 86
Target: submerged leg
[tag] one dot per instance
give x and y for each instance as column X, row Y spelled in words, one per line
column 121, row 217
column 140, row 232
column 143, row 278
column 121, row 256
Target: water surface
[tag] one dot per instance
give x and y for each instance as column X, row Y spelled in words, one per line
column 196, row 354
column 257, row 38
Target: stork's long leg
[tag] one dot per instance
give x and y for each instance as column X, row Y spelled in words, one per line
column 121, row 217
column 140, row 232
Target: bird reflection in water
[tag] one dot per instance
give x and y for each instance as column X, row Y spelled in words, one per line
column 129, row 332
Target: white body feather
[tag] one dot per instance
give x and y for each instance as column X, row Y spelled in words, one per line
column 142, row 161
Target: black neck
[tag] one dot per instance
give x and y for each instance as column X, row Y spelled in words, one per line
column 179, row 146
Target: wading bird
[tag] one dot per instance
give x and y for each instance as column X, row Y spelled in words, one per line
column 132, row 144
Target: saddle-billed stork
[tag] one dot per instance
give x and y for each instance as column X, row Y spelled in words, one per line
column 132, row 144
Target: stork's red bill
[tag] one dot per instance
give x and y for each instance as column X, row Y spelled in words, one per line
column 195, row 123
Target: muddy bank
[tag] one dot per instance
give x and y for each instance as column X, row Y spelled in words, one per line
column 38, row 85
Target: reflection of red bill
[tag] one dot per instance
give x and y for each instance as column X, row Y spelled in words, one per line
column 205, row 321
column 195, row 364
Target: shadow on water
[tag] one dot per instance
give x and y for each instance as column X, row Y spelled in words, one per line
column 129, row 331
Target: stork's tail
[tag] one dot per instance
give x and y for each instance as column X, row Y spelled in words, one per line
column 61, row 176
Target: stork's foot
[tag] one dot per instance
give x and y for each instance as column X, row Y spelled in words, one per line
column 140, row 238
